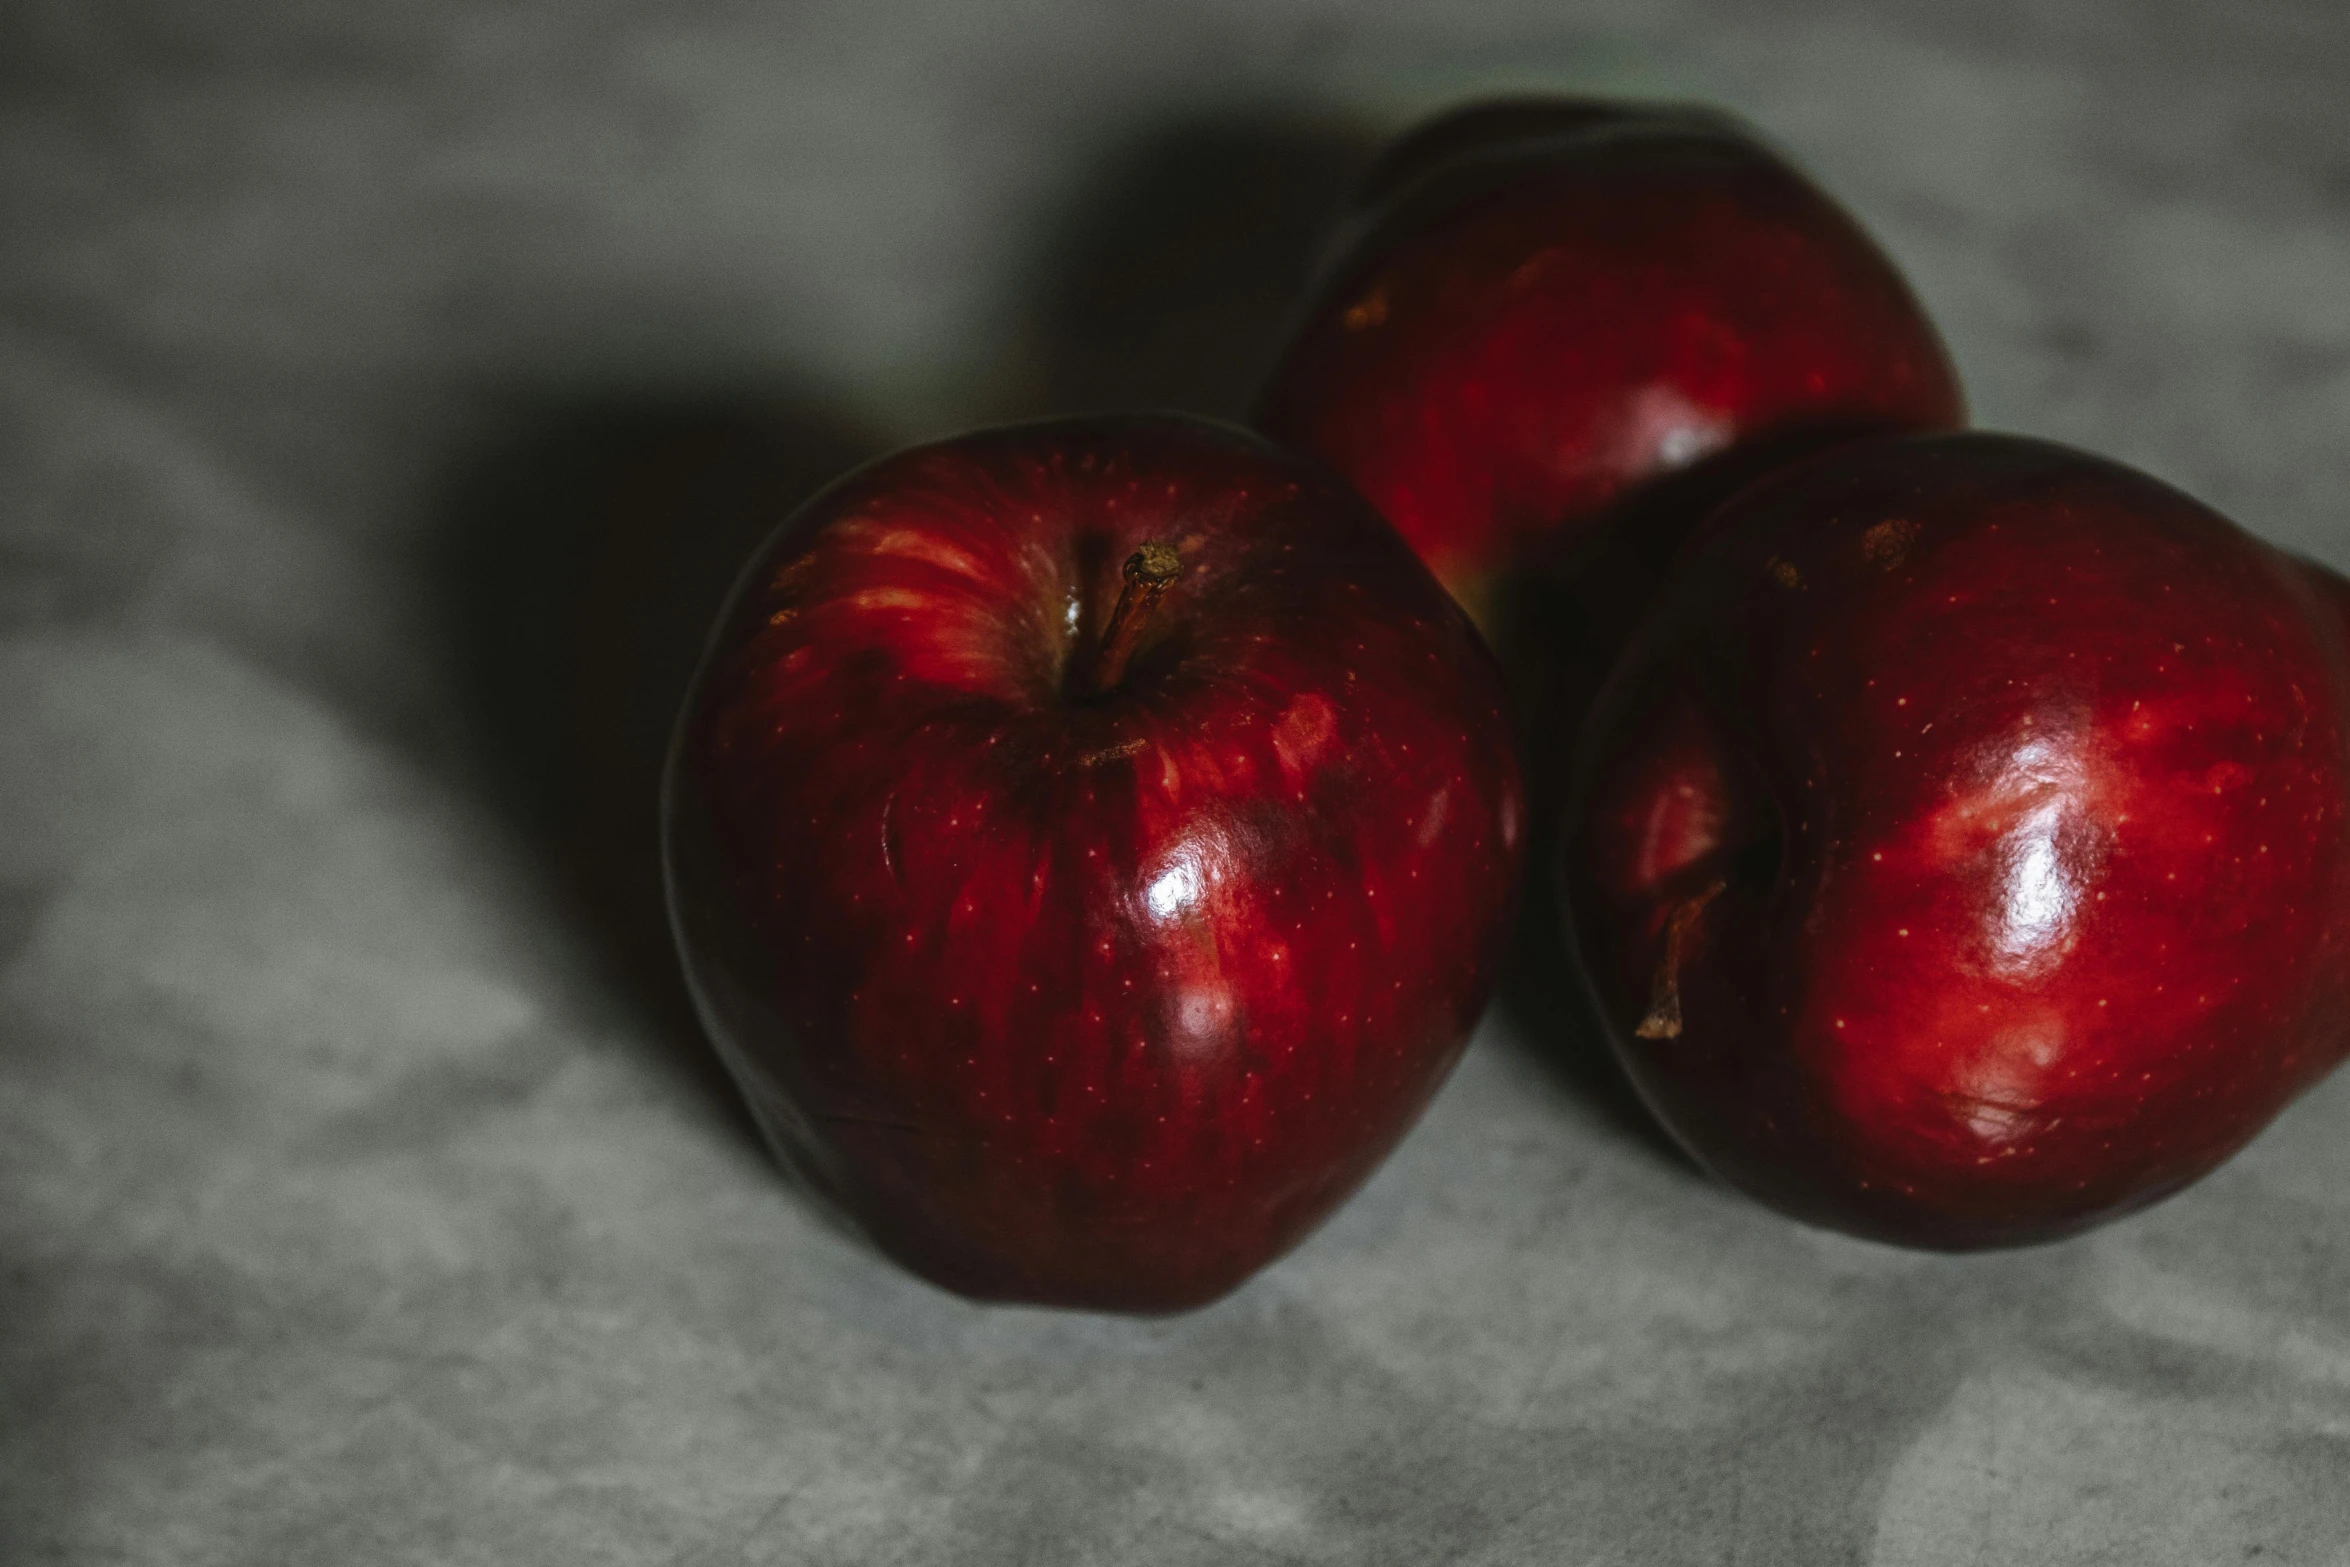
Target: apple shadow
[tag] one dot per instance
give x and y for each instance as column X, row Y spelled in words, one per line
column 1167, row 273
column 585, row 549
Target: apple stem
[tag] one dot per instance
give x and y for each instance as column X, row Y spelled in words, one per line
column 1664, row 1001
column 1149, row 572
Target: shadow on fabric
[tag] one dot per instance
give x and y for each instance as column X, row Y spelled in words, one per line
column 1166, row 275
column 587, row 550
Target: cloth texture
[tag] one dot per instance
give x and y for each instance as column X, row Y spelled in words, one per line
column 385, row 392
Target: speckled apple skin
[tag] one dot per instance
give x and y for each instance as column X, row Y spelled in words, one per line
column 1544, row 304
column 2021, row 780
column 1091, row 1000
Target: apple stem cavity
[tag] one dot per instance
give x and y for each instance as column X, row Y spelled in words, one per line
column 1149, row 572
column 1664, row 1001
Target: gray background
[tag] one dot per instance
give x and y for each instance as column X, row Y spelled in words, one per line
column 366, row 1199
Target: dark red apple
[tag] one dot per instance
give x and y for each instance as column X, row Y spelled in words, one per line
column 1960, row 856
column 1091, row 844
column 1546, row 305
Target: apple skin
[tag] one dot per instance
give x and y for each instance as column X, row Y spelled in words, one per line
column 1997, row 793
column 1091, row 999
column 1544, row 305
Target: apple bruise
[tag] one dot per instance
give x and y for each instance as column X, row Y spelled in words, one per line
column 1092, row 980
column 2067, row 883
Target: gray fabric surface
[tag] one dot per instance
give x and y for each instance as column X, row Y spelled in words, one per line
column 368, row 375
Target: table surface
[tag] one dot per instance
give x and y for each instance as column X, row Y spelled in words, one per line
column 378, row 386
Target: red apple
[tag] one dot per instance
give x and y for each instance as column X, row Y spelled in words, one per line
column 1960, row 856
column 1090, row 844
column 1545, row 305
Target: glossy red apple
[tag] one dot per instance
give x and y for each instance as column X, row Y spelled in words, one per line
column 1545, row 306
column 1961, row 856
column 1090, row 844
